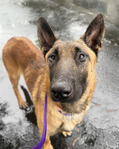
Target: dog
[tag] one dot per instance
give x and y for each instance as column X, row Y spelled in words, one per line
column 63, row 70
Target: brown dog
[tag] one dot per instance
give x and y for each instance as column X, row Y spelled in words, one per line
column 65, row 71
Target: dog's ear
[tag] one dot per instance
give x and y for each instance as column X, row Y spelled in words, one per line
column 94, row 34
column 46, row 36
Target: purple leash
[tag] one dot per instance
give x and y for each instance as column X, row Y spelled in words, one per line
column 40, row 144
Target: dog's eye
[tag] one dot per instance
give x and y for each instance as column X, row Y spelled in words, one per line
column 81, row 56
column 52, row 57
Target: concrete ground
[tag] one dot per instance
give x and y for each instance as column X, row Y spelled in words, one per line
column 69, row 19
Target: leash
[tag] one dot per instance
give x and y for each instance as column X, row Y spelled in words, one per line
column 40, row 144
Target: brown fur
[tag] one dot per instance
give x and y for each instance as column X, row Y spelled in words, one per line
column 21, row 56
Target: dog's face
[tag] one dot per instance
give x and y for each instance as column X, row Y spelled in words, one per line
column 71, row 63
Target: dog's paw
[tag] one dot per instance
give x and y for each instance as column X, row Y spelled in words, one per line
column 66, row 133
column 23, row 104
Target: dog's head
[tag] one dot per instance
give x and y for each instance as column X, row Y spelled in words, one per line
column 71, row 63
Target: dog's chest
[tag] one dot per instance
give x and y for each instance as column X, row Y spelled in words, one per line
column 69, row 122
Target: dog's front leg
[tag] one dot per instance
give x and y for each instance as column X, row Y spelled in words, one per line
column 47, row 144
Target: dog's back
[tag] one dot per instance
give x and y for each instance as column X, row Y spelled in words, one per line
column 23, row 52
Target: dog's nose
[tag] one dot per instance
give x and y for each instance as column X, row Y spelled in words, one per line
column 61, row 90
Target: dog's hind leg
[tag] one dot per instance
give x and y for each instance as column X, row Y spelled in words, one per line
column 15, row 80
column 14, row 75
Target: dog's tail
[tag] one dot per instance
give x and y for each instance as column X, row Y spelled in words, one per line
column 27, row 95
column 30, row 113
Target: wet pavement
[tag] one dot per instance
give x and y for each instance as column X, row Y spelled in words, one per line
column 69, row 19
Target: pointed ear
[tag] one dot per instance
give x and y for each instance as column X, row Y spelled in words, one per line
column 46, row 36
column 94, row 34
